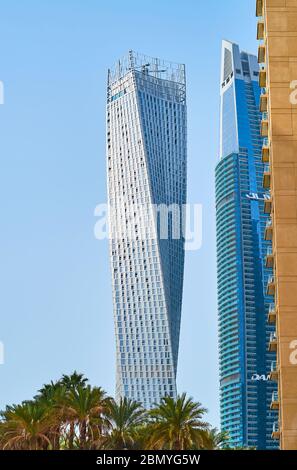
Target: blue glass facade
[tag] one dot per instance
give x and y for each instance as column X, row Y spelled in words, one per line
column 245, row 392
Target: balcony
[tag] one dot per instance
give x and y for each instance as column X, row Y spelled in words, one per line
column 262, row 77
column 271, row 286
column 272, row 314
column 265, row 150
column 264, row 125
column 264, row 102
column 266, row 177
column 274, row 401
column 259, row 8
column 269, row 259
column 272, row 346
column 275, row 430
column 268, row 205
column 261, row 54
column 273, row 371
column 268, row 230
column 260, row 30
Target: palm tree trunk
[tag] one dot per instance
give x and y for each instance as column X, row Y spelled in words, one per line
column 83, row 434
column 71, row 435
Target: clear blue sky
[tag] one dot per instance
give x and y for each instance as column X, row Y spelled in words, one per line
column 55, row 302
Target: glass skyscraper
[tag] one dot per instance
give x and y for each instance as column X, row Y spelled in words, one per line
column 146, row 163
column 243, row 258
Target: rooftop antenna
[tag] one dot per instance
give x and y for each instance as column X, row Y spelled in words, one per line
column 131, row 59
column 119, row 69
column 145, row 68
column 108, row 83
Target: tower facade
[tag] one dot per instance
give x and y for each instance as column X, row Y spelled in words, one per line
column 243, row 258
column 277, row 54
column 146, row 163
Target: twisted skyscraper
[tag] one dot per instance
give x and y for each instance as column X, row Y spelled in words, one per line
column 146, row 161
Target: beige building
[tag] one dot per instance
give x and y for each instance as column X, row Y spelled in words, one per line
column 277, row 32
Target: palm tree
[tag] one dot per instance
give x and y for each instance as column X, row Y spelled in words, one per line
column 177, row 424
column 73, row 380
column 85, row 409
column 126, row 420
column 53, row 396
column 215, row 440
column 71, row 414
column 47, row 390
column 2, row 434
column 26, row 427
